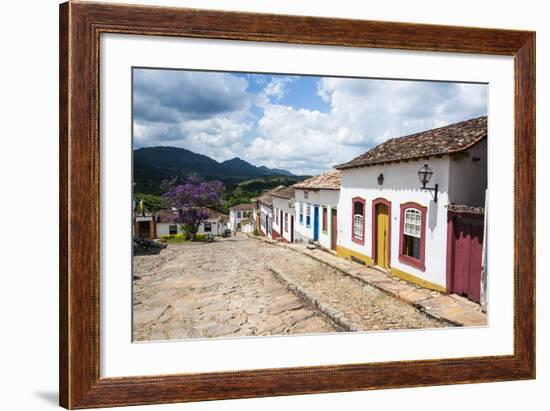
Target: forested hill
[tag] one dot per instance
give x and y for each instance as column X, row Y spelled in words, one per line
column 152, row 165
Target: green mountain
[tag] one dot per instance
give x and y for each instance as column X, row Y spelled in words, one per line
column 152, row 165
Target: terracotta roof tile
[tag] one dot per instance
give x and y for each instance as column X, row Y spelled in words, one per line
column 325, row 181
column 242, row 207
column 444, row 140
column 267, row 197
column 287, row 193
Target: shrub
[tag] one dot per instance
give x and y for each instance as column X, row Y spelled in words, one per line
column 173, row 238
column 256, row 232
column 178, row 238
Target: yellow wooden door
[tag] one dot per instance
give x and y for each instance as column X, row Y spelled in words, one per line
column 382, row 246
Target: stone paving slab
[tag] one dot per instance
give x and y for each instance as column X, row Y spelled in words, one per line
column 453, row 309
column 233, row 287
column 213, row 290
column 349, row 302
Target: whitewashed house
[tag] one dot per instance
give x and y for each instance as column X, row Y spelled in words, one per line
column 247, row 225
column 165, row 225
column 240, row 216
column 432, row 233
column 283, row 215
column 265, row 211
column 316, row 206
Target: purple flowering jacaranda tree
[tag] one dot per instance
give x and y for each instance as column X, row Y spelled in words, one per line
column 191, row 200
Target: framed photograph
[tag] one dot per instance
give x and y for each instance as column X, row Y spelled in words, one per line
column 258, row 205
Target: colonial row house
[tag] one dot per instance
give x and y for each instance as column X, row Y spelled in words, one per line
column 264, row 211
column 316, row 204
column 162, row 223
column 413, row 206
column 283, row 215
column 240, row 217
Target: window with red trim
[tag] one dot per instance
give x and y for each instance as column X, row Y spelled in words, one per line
column 412, row 235
column 358, row 220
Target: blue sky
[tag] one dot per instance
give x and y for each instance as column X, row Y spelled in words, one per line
column 305, row 124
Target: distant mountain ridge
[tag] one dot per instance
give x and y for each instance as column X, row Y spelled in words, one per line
column 152, row 165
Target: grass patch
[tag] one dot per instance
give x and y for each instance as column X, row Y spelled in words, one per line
column 182, row 238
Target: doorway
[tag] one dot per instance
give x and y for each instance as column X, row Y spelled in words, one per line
column 144, row 229
column 291, row 228
column 465, row 255
column 316, row 223
column 333, row 228
column 382, row 235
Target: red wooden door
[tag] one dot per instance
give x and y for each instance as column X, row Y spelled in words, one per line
column 466, row 259
column 334, row 232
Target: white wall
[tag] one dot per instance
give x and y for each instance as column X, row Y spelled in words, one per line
column 281, row 204
column 266, row 211
column 234, row 220
column 247, row 228
column 164, row 229
column 468, row 178
column 319, row 198
column 217, row 228
column 401, row 185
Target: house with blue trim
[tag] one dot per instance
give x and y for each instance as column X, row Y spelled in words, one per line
column 316, row 201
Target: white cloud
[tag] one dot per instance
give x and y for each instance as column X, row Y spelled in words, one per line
column 211, row 113
column 362, row 113
column 204, row 112
column 276, row 88
column 218, row 137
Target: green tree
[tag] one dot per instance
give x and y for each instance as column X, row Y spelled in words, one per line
column 151, row 202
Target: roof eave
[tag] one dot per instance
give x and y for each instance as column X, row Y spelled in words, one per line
column 414, row 158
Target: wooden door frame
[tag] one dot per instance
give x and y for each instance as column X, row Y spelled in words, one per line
column 451, row 215
column 374, row 226
column 316, row 222
column 333, row 228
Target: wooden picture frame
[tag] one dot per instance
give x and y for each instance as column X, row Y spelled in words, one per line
column 80, row 27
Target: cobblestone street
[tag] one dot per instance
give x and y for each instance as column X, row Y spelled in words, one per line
column 243, row 287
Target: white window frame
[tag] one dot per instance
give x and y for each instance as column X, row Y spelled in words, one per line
column 412, row 226
column 358, row 228
column 358, row 224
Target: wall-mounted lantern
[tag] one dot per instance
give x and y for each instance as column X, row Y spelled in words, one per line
column 380, row 179
column 425, row 174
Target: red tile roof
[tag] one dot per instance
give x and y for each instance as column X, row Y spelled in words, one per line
column 267, row 197
column 286, row 193
column 453, row 138
column 242, row 207
column 325, row 181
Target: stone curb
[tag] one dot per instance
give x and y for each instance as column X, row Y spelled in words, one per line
column 335, row 316
column 356, row 277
